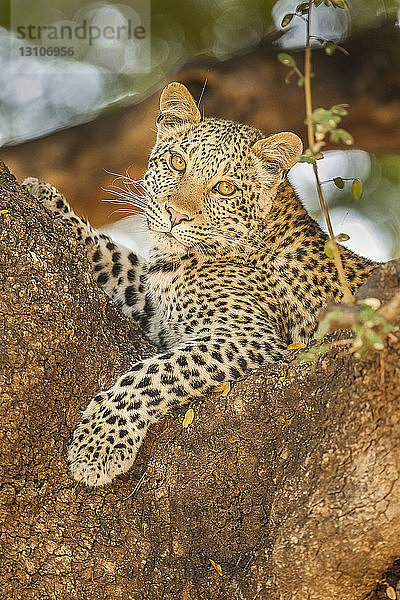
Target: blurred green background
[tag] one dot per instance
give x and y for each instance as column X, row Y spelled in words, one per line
column 44, row 94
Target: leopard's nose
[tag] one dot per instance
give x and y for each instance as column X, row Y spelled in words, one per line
column 176, row 217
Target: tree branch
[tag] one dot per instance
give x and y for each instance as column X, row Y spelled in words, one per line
column 291, row 483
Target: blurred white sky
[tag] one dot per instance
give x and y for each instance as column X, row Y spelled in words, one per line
column 327, row 22
column 367, row 237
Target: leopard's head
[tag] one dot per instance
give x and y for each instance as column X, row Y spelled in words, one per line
column 209, row 182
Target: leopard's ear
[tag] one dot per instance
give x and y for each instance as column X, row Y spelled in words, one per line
column 176, row 106
column 280, row 151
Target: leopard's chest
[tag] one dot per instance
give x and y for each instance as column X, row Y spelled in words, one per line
column 176, row 298
column 194, row 298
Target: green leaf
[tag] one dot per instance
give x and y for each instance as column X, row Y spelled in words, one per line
column 325, row 324
column 326, row 118
column 338, row 181
column 345, row 136
column 339, row 109
column 335, row 137
column 321, row 114
column 330, row 48
column 286, row 59
column 367, row 312
column 317, row 3
column 286, row 19
column 339, row 3
column 306, row 159
column 313, row 353
column 300, row 81
column 374, row 339
column 341, row 135
column 356, row 189
column 329, row 249
column 302, row 8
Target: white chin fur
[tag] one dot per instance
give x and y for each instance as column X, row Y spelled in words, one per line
column 165, row 242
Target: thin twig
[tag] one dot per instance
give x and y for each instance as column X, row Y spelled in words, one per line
column 347, row 295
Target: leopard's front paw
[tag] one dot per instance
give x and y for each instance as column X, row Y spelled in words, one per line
column 48, row 195
column 106, row 441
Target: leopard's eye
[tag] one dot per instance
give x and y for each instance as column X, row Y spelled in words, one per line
column 177, row 163
column 225, row 188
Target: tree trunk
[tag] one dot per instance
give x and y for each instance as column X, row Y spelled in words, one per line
column 290, row 483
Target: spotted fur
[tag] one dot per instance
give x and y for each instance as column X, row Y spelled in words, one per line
column 232, row 281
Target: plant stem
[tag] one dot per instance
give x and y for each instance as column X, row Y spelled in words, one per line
column 347, row 295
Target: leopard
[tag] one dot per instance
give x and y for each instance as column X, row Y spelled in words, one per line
column 238, row 272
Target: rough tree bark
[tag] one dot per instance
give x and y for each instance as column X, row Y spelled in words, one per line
column 290, row 483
